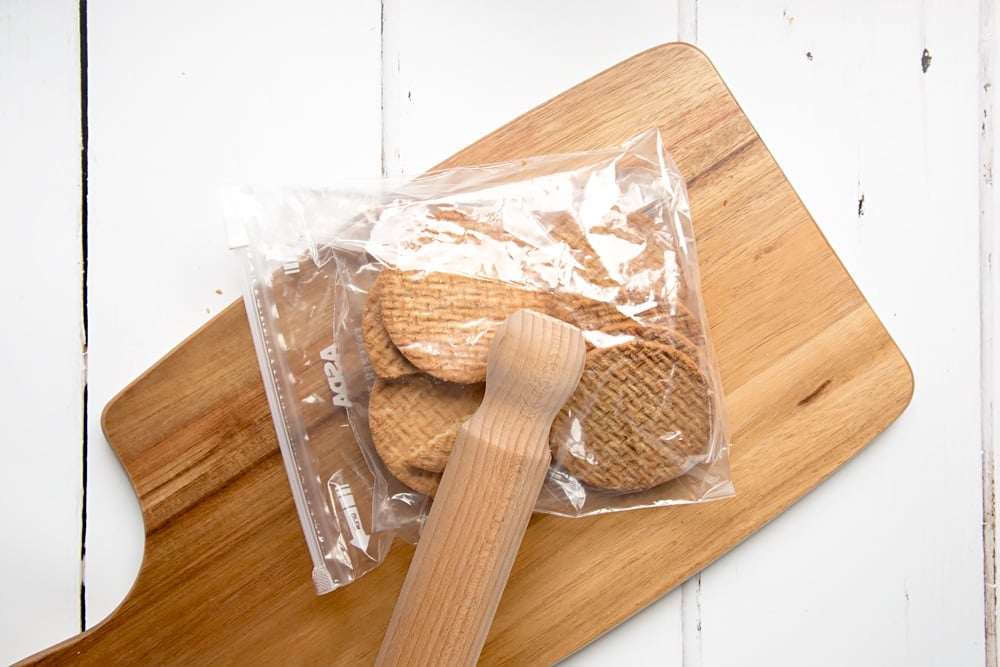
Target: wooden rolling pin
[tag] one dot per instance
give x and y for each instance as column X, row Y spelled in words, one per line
column 487, row 493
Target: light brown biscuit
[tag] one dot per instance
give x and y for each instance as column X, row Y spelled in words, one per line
column 386, row 359
column 640, row 417
column 676, row 316
column 588, row 314
column 444, row 323
column 417, row 418
column 421, row 481
column 617, row 334
column 600, row 320
column 593, row 317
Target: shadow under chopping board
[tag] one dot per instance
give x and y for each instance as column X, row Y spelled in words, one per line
column 809, row 372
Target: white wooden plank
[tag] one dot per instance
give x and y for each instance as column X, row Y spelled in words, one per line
column 465, row 69
column 883, row 563
column 42, row 387
column 650, row 638
column 687, row 21
column 186, row 97
column 691, row 614
column 454, row 72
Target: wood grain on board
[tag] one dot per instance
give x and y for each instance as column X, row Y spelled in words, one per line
column 809, row 373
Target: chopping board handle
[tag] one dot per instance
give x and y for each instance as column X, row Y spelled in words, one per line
column 486, row 496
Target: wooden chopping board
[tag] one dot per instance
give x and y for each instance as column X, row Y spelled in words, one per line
column 809, row 372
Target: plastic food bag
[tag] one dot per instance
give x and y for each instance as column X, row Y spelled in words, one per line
column 372, row 307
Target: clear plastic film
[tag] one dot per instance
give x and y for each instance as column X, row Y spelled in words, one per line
column 373, row 305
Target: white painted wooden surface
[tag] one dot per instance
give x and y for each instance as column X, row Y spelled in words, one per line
column 41, row 336
column 883, row 565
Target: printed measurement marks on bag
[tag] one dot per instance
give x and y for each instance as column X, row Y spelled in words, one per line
column 345, row 498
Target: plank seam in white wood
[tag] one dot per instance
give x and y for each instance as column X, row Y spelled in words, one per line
column 691, row 639
column 84, row 252
column 392, row 158
column 42, row 391
column 988, row 284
